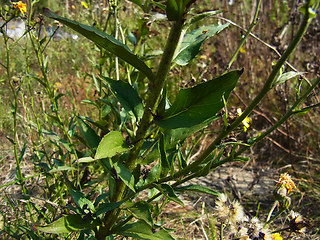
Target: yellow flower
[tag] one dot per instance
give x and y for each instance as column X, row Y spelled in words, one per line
column 242, row 50
column 276, row 236
column 84, row 4
column 285, row 181
column 245, row 121
column 21, row 6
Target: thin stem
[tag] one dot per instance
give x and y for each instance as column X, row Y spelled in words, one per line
column 253, row 23
column 14, row 108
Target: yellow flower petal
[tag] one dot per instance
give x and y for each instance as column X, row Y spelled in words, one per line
column 21, row 6
column 245, row 121
column 84, row 4
column 276, row 236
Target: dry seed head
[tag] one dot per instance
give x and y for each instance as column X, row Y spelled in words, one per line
column 229, row 212
column 297, row 223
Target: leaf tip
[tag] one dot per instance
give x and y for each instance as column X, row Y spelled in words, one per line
column 240, row 71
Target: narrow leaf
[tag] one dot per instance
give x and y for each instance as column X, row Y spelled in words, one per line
column 110, row 145
column 163, row 157
column 62, row 168
column 85, row 160
column 195, row 105
column 286, row 76
column 105, row 41
column 197, row 188
column 200, row 16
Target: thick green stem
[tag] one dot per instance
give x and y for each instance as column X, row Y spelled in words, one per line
column 155, row 88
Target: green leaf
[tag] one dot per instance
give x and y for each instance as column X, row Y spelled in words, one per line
column 70, row 223
column 195, row 105
column 165, row 167
column 110, row 145
column 62, row 168
column 142, row 231
column 125, row 175
column 106, row 207
column 197, row 188
column 105, row 41
column 56, row 138
column 191, row 42
column 168, row 190
column 199, row 17
column 90, row 136
column 141, row 210
column 154, row 174
column 138, row 2
column 172, row 10
column 127, row 96
column 86, row 160
column 286, row 76
column 79, row 198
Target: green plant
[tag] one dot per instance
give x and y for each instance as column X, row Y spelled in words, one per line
column 137, row 128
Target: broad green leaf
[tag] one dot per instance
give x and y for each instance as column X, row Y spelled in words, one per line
column 125, row 175
column 106, row 207
column 70, row 223
column 105, row 41
column 89, row 135
column 195, row 105
column 141, row 210
column 191, row 42
column 197, row 188
column 286, row 76
column 142, row 231
column 127, row 96
column 165, row 167
column 110, row 145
